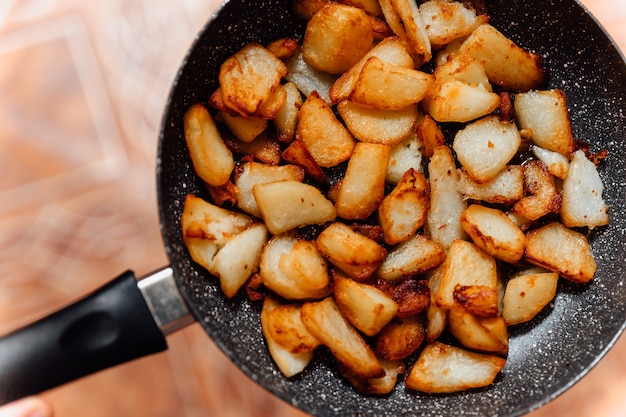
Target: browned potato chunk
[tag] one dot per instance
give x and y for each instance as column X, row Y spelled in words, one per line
column 543, row 196
column 376, row 386
column 505, row 63
column 249, row 78
column 506, row 188
column 430, row 134
column 386, row 86
column 527, row 294
column 264, row 148
column 298, row 154
column 485, row 147
column 355, row 254
column 583, row 205
column 212, row 160
column 416, row 255
column 494, row 232
column 327, row 140
column 469, row 330
column 400, row 338
column 561, row 250
column 371, row 7
column 337, row 37
column 294, row 269
column 365, row 306
column 404, row 18
column 479, row 300
column 466, row 265
column 285, row 205
column 363, row 186
column 448, row 20
column 546, row 116
column 404, row 210
column 443, row 368
column 325, row 321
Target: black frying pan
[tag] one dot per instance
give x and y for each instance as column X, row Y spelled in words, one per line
column 547, row 356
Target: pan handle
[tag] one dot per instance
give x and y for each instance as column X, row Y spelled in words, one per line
column 121, row 321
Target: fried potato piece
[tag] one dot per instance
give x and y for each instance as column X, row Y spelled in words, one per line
column 543, row 196
column 406, row 22
column 264, row 148
column 546, row 116
column 485, row 147
column 403, row 211
column 298, row 154
column 478, row 300
column 376, row 386
column 371, row 7
column 285, row 205
column 494, row 232
column 436, row 317
column 412, row 257
column 365, row 306
column 325, row 321
column 355, row 254
column 294, row 269
column 466, row 265
column 283, row 48
column 385, row 127
column 252, row 173
column 561, row 250
column 249, row 78
column 385, row 86
column 557, row 164
column 363, row 186
column 505, row 188
column 244, row 129
column 326, row 138
column 505, row 63
column 527, row 294
column 412, row 296
column 287, row 118
column 442, row 368
column 289, row 361
column 337, row 37
column 443, row 222
column 448, row 20
column 400, row 338
column 471, row 333
column 430, row 134
column 307, row 78
column 212, row 160
column 404, row 156
column 583, row 205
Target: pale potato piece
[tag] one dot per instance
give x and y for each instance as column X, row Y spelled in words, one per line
column 506, row 188
column 325, row 321
column 355, row 254
column 286, row 205
column 506, row 64
column 472, row 334
column 326, row 138
column 252, row 173
column 246, row 129
column 403, row 211
column 436, row 317
column 307, row 78
column 288, row 362
column 561, row 250
column 527, row 294
column 465, row 265
column 413, row 26
column 363, row 185
column 391, row 50
column 249, row 78
column 239, row 258
column 212, row 160
column 583, row 205
column 456, row 101
column 385, row 127
column 494, row 232
column 400, row 338
column 365, row 306
column 557, row 164
column 546, row 116
column 485, row 147
column 447, row 20
column 543, row 196
column 443, row 222
column 294, row 269
column 337, row 37
column 404, row 156
column 287, row 119
column 386, row 86
column 416, row 255
column 442, row 368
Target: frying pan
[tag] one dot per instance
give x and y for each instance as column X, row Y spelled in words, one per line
column 127, row 319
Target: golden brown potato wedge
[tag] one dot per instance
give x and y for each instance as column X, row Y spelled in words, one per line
column 355, row 254
column 416, row 255
column 543, row 197
column 376, row 386
column 325, row 321
column 557, row 163
column 287, row 118
column 298, row 154
column 400, row 338
column 412, row 26
column 337, row 37
column 505, row 188
column 561, row 250
column 443, row 368
column 246, row 129
column 412, row 296
column 448, row 20
column 284, row 326
column 478, row 300
column 212, row 160
column 430, row 134
column 527, row 293
column 472, row 334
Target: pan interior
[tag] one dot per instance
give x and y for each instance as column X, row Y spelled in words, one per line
column 547, row 355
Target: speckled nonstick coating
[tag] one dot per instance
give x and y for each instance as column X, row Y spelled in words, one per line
column 548, row 355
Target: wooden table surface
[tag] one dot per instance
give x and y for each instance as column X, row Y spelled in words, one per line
column 83, row 86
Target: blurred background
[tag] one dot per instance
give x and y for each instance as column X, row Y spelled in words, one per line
column 82, row 89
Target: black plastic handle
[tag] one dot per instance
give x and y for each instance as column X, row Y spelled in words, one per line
column 111, row 326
